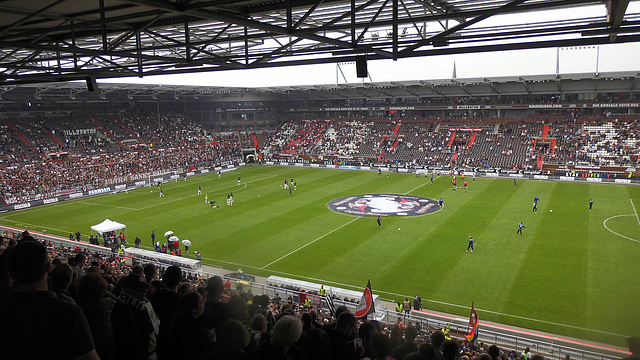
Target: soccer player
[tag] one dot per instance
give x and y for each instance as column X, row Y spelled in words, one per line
column 199, row 190
column 206, row 198
column 590, row 204
column 294, row 185
column 213, row 203
column 520, row 227
column 514, row 183
column 465, row 184
column 161, row 193
column 455, row 182
column 440, row 203
column 379, row 221
column 432, row 177
column 470, row 246
column 535, row 207
column 473, row 177
column 379, row 171
column 219, row 174
column 239, row 180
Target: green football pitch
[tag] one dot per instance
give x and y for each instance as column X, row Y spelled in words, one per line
column 573, row 272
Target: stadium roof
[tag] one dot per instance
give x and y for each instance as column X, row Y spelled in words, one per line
column 621, row 82
column 62, row 40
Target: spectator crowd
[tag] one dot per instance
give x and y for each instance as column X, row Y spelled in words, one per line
column 72, row 153
column 66, row 304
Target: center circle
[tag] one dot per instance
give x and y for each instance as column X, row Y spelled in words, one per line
column 384, row 205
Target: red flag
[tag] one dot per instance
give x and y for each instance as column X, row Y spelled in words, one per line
column 366, row 306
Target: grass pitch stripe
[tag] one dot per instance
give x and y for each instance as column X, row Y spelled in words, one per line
column 634, row 211
column 309, row 243
column 330, row 232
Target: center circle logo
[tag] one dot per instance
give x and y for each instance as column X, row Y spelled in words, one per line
column 384, row 205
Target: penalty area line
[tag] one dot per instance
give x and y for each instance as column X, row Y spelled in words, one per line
column 634, row 211
column 309, row 243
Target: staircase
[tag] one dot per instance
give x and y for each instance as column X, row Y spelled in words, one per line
column 395, row 131
column 540, row 162
column 451, row 139
column 55, row 138
column 22, row 138
column 109, row 134
column 545, row 131
column 127, row 129
column 471, row 140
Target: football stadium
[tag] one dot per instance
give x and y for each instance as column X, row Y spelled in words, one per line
column 440, row 218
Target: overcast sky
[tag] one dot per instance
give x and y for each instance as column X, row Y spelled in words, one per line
column 605, row 58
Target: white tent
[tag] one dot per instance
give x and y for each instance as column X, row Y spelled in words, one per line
column 107, row 226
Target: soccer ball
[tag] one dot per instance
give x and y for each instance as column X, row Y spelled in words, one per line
column 258, row 195
column 550, row 210
column 398, row 229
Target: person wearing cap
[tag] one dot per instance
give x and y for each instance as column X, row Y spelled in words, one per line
column 134, row 322
column 39, row 325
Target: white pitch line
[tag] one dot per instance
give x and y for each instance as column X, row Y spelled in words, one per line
column 416, row 188
column 634, row 211
column 323, row 281
column 309, row 243
column 34, row 225
column 604, row 223
column 107, row 205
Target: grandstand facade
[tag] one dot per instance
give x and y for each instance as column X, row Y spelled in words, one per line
column 52, row 147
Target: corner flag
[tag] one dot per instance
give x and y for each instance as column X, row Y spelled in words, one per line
column 473, row 322
column 366, row 306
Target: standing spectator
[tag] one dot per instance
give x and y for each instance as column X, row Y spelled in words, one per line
column 61, row 278
column 406, row 306
column 79, row 264
column 450, row 349
column 410, row 334
column 153, row 238
column 55, row 329
column 417, row 303
column 97, row 306
column 187, row 336
column 215, row 311
column 135, row 324
column 381, row 347
column 341, row 336
column 165, row 303
column 286, row 333
column 235, row 340
column 437, row 339
column 137, row 242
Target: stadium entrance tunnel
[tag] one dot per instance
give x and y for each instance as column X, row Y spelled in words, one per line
column 384, row 205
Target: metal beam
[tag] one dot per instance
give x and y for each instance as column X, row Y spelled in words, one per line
column 616, row 10
column 30, row 16
column 442, row 36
